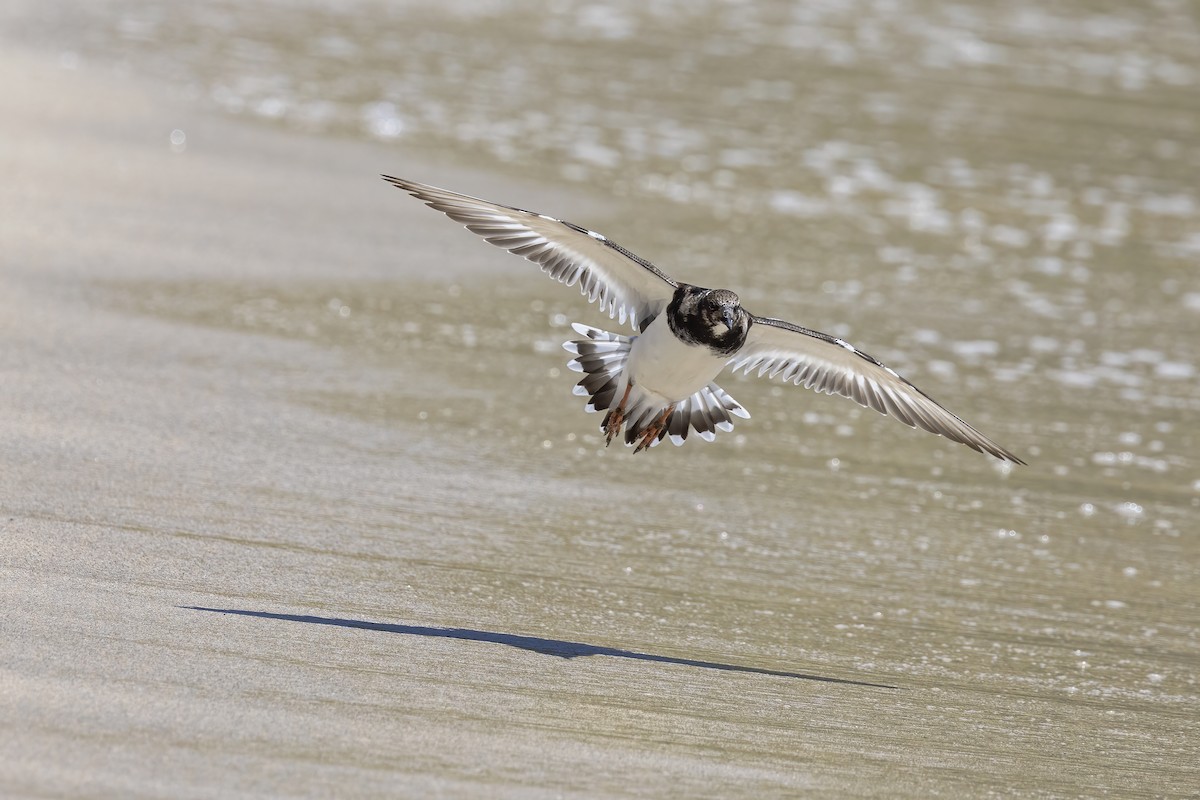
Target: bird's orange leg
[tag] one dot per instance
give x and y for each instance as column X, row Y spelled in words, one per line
column 615, row 418
column 655, row 430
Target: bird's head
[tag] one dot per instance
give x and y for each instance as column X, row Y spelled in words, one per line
column 721, row 311
column 712, row 317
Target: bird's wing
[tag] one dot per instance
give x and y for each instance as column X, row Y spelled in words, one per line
column 826, row 364
column 625, row 285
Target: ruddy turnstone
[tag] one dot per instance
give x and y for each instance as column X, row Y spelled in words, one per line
column 659, row 383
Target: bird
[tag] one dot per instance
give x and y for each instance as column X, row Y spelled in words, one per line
column 659, row 383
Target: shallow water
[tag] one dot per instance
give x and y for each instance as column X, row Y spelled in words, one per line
column 999, row 201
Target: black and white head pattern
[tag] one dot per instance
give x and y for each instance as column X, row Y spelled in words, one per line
column 713, row 318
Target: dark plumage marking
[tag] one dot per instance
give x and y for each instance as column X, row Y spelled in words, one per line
column 694, row 312
column 825, row 337
column 610, row 243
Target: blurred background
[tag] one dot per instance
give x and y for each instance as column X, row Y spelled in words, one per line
column 999, row 200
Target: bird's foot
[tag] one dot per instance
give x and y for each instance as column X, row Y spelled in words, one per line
column 612, row 425
column 615, row 418
column 654, row 431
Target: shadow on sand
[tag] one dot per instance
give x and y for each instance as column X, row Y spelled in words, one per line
column 550, row 647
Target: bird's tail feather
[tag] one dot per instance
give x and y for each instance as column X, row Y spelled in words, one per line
column 601, row 357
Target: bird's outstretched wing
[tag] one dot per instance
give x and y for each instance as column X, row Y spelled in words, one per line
column 826, row 364
column 625, row 285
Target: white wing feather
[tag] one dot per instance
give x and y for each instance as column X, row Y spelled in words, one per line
column 829, row 365
column 625, row 285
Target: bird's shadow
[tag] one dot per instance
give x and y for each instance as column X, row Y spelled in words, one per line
column 535, row 644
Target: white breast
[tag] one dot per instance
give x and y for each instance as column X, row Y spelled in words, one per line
column 666, row 366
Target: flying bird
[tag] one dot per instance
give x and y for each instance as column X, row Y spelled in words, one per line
column 658, row 383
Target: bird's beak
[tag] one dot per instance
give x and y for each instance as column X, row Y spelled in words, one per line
column 730, row 318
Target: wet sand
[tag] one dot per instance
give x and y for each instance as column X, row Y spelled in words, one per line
column 247, row 554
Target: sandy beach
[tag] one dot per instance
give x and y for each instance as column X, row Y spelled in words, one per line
column 151, row 466
column 247, row 552
column 155, row 472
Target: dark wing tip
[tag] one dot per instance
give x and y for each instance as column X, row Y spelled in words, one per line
column 988, row 447
column 1007, row 456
